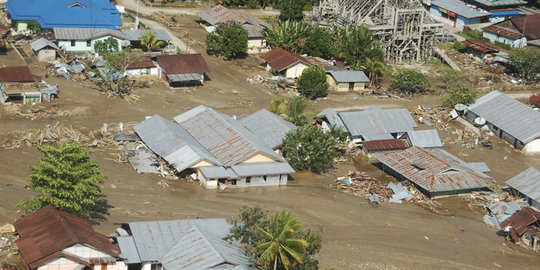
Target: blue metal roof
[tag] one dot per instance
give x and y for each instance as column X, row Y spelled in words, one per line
column 506, row 13
column 66, row 13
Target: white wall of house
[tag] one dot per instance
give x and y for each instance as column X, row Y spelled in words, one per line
column 84, row 45
column 148, row 266
column 532, row 147
column 46, row 55
column 516, row 43
column 120, row 265
column 85, row 252
column 142, row 71
column 59, row 264
column 295, row 71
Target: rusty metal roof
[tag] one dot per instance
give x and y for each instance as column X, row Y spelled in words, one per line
column 182, row 63
column 520, row 221
column 527, row 182
column 501, row 31
column 145, row 62
column 430, row 170
column 16, row 74
column 221, row 14
column 280, row 59
column 48, row 231
column 384, row 145
column 480, row 46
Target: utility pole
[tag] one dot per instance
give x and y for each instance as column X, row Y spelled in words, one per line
column 137, row 17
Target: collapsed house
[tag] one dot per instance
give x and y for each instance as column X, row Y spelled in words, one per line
column 221, row 150
column 435, row 172
column 523, row 228
column 182, row 69
column 509, row 119
column 403, row 27
column 179, row 245
column 527, row 184
column 53, row 239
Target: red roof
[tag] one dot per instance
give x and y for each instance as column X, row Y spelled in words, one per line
column 280, row 59
column 382, row 145
column 528, row 25
column 182, row 63
column 502, row 31
column 16, row 74
column 46, row 232
column 480, row 46
column 520, row 222
column 146, row 62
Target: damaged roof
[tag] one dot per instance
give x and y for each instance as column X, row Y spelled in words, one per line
column 432, row 170
column 480, row 46
column 375, row 120
column 384, row 145
column 182, row 63
column 509, row 115
column 280, row 59
column 520, row 222
column 221, row 14
column 527, row 182
column 270, row 127
column 47, row 231
column 16, row 74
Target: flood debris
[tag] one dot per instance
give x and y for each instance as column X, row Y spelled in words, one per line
column 7, row 240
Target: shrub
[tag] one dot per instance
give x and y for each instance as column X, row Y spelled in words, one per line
column 410, row 81
column 459, row 93
column 312, row 82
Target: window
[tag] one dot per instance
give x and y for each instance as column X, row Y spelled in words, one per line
column 88, row 43
column 72, row 43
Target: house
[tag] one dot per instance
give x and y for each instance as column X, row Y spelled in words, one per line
column 254, row 26
column 268, row 126
column 146, row 66
column 424, row 138
column 51, row 14
column 479, row 47
column 527, row 183
column 370, row 124
column 17, row 74
column 523, row 227
column 219, row 149
column 434, row 172
column 44, row 49
column 53, row 239
column 347, row 80
column 500, row 9
column 182, row 69
column 134, row 36
column 511, row 120
column 179, row 245
column 516, row 32
column 287, row 64
column 80, row 40
column 457, row 13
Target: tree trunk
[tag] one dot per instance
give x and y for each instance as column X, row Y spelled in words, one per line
column 275, row 262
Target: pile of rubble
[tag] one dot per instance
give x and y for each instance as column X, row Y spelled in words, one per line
column 7, row 241
column 498, row 204
column 35, row 112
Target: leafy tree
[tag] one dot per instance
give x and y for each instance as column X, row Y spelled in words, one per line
column 288, row 35
column 459, row 93
column 213, row 43
column 527, row 61
column 355, row 44
column 320, row 43
column 108, row 45
column 245, row 230
column 113, row 78
column 312, row 82
column 309, row 148
column 150, row 42
column 375, row 66
column 291, row 10
column 281, row 246
column 34, row 27
column 67, row 179
column 230, row 40
column 292, row 110
column 410, row 81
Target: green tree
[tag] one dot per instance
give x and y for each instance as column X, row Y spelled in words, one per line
column 291, row 10
column 459, row 93
column 292, row 110
column 288, row 35
column 108, row 45
column 527, row 61
column 34, row 27
column 355, row 44
column 67, row 179
column 312, row 82
column 320, row 43
column 281, row 246
column 113, row 75
column 410, row 81
column 234, row 40
column 309, row 148
column 150, row 42
column 375, row 66
column 213, row 43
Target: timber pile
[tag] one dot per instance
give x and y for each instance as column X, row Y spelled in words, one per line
column 361, row 184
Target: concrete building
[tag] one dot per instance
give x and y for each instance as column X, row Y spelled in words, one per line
column 527, row 184
column 347, row 80
column 182, row 69
column 144, row 67
column 500, row 9
column 82, row 40
column 284, row 63
column 509, row 119
column 516, row 32
column 457, row 13
column 44, row 49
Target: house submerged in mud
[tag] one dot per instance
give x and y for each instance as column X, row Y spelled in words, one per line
column 221, row 150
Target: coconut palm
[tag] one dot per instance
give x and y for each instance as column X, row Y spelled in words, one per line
column 281, row 248
column 149, row 41
column 287, row 35
column 355, row 44
column 375, row 66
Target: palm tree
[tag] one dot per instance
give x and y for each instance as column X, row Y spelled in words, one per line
column 375, row 66
column 287, row 35
column 281, row 247
column 355, row 44
column 149, row 41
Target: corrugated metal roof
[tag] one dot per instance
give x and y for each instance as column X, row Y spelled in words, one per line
column 499, row 3
column 527, row 182
column 384, row 145
column 376, row 121
column 182, row 64
column 85, row 33
column 480, row 46
column 479, row 167
column 424, row 138
column 172, row 142
column 377, row 137
column 188, row 77
column 214, row 172
column 42, row 43
column 332, row 117
column 225, row 138
column 154, row 239
column 199, row 249
column 429, row 169
column 221, row 14
column 460, row 8
column 128, row 249
column 520, row 221
column 349, row 76
column 509, row 115
column 262, row 168
column 16, row 74
column 280, row 59
column 134, row 35
column 269, row 127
